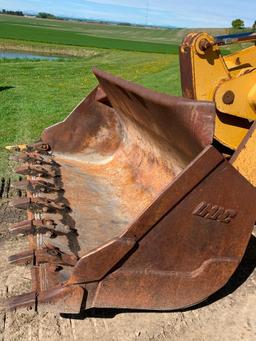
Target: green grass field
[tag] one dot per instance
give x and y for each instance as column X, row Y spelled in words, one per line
column 36, row 94
column 76, row 34
column 61, row 28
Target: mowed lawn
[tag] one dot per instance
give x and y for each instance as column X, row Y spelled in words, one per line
column 36, row 94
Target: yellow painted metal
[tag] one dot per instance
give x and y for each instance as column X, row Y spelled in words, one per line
column 207, row 65
column 243, row 88
column 18, row 147
column 214, row 75
column 229, row 134
column 241, row 59
column 244, row 159
column 252, row 97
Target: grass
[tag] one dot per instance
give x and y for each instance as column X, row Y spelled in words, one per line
column 46, row 48
column 94, row 35
column 49, row 34
column 43, row 92
column 107, row 36
column 130, row 33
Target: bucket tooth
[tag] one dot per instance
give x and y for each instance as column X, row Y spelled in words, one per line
column 67, row 299
column 24, row 300
column 22, row 258
column 35, row 186
column 39, row 147
column 37, row 170
column 33, row 157
column 16, row 148
column 47, row 204
column 43, row 226
column 38, row 203
column 22, row 203
column 49, row 255
column 23, row 227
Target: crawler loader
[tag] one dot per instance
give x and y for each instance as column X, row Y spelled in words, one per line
column 143, row 200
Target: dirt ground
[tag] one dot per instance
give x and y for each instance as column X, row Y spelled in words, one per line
column 228, row 315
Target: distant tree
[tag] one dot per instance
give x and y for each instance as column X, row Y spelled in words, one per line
column 44, row 15
column 124, row 24
column 238, row 24
column 254, row 26
column 19, row 13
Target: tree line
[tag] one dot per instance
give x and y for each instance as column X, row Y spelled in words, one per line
column 42, row 15
column 19, row 13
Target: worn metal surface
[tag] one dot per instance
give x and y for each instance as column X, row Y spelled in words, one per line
column 188, row 254
column 140, row 207
column 118, row 160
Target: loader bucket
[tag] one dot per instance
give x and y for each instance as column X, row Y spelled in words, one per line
column 129, row 205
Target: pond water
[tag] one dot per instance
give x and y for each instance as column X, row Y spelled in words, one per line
column 25, row 55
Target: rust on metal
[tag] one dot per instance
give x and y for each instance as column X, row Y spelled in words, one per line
column 186, row 69
column 205, row 44
column 36, row 185
column 141, row 214
column 33, row 203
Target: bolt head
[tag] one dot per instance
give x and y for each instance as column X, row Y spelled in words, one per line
column 228, row 97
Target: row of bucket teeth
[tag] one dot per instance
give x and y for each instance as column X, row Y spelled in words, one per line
column 43, row 189
column 49, row 236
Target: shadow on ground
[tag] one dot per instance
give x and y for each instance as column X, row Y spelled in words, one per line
column 245, row 269
column 3, row 88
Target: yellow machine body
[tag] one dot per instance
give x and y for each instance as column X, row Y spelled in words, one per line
column 229, row 81
column 240, row 160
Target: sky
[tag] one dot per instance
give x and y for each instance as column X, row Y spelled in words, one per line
column 186, row 13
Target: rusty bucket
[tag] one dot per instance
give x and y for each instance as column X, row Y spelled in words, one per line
column 129, row 205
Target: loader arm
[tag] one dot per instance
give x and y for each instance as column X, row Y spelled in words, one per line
column 229, row 81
